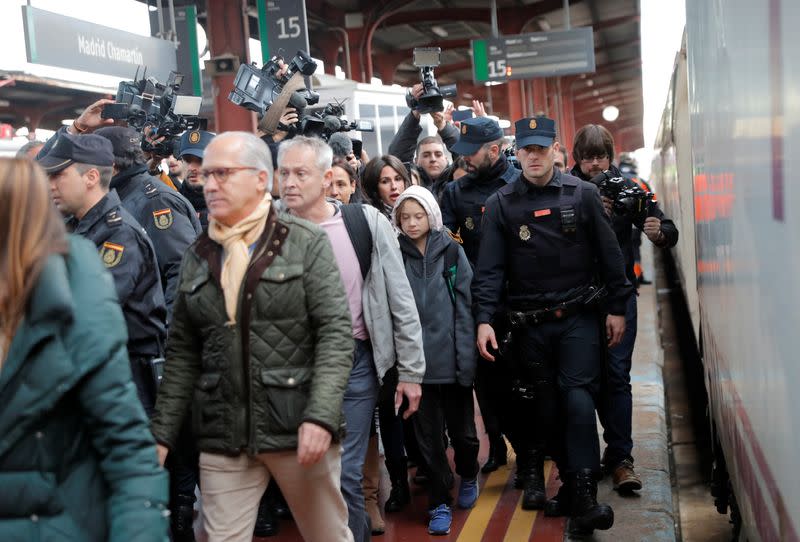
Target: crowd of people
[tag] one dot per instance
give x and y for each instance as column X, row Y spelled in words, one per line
column 256, row 315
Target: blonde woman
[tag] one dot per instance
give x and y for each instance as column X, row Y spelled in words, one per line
column 77, row 461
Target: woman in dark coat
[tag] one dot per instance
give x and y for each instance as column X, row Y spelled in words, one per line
column 77, row 460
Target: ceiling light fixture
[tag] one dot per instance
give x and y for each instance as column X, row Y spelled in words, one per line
column 610, row 113
column 439, row 31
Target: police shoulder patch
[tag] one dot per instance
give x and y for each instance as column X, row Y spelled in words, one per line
column 150, row 189
column 111, row 254
column 113, row 218
column 163, row 218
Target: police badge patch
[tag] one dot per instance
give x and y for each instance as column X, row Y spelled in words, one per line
column 532, row 124
column 463, row 128
column 524, row 232
column 469, row 223
column 194, row 137
column 163, row 218
column 111, row 254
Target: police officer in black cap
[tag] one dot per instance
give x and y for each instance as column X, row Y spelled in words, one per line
column 462, row 205
column 167, row 216
column 191, row 148
column 80, row 170
column 546, row 240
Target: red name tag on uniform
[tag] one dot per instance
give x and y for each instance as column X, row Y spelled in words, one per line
column 541, row 212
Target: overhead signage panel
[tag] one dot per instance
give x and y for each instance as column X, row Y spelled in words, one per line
column 538, row 54
column 283, row 28
column 65, row 42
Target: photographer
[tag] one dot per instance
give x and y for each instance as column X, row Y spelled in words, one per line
column 593, row 153
column 430, row 151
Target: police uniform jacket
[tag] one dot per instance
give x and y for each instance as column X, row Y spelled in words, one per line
column 622, row 225
column 128, row 254
column 198, row 200
column 168, row 217
column 547, row 243
column 463, row 203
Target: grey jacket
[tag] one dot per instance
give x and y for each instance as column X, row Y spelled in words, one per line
column 390, row 313
column 448, row 329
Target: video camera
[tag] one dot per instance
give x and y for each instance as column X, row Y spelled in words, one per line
column 256, row 89
column 145, row 102
column 330, row 120
column 432, row 99
column 628, row 201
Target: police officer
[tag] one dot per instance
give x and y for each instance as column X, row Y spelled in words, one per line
column 545, row 236
column 80, row 170
column 191, row 147
column 462, row 212
column 167, row 216
column 593, row 152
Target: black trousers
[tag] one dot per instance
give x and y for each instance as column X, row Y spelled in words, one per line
column 490, row 393
column 565, row 357
column 183, row 465
column 450, row 406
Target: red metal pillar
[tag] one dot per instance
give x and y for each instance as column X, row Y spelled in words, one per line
column 356, row 36
column 540, row 96
column 228, row 34
column 567, row 130
column 515, row 105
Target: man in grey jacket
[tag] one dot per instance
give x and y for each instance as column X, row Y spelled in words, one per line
column 386, row 327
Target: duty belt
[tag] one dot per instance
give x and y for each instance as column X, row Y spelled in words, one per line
column 590, row 299
column 550, row 314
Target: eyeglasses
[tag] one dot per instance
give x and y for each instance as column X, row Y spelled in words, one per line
column 222, row 173
column 598, row 158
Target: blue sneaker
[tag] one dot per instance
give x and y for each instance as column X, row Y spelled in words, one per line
column 468, row 493
column 441, row 518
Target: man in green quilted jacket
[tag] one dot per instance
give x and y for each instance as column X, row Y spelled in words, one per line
column 259, row 351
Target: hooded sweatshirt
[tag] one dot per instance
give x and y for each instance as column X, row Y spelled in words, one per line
column 448, row 329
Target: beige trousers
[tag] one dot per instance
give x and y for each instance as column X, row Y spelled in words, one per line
column 232, row 488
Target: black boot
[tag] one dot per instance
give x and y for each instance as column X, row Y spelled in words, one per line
column 266, row 522
column 519, row 475
column 182, row 518
column 400, row 494
column 497, row 454
column 587, row 515
column 533, row 492
column 561, row 504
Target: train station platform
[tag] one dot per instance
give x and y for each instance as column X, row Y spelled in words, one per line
column 497, row 517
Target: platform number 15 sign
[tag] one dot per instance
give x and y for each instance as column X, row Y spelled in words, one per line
column 283, row 28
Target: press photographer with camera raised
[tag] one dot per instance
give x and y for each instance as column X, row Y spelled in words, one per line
column 593, row 152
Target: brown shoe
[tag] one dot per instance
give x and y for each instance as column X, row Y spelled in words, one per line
column 370, row 484
column 625, row 479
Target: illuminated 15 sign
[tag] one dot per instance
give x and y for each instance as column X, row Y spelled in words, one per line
column 282, row 27
column 538, row 54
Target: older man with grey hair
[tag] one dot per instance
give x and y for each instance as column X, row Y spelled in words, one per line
column 386, row 332
column 260, row 350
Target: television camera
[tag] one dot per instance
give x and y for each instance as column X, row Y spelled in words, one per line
column 433, row 95
column 147, row 104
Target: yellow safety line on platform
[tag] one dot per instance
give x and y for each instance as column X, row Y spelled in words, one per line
column 522, row 521
column 479, row 516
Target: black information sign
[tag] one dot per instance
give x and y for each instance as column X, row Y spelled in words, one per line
column 538, row 54
column 283, row 28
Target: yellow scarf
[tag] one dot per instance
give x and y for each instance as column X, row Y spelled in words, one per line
column 236, row 241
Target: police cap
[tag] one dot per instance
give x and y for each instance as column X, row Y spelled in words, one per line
column 82, row 149
column 475, row 133
column 194, row 143
column 535, row 131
